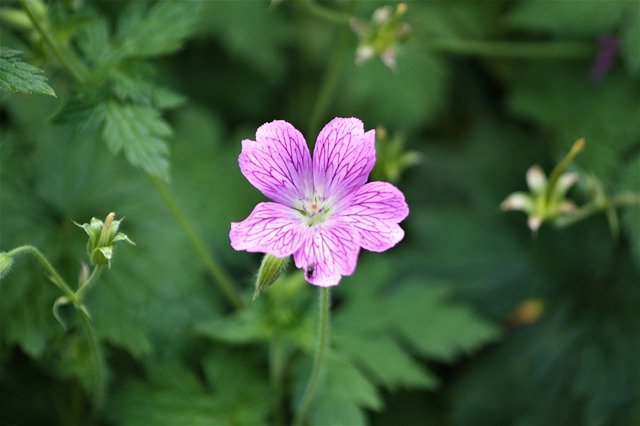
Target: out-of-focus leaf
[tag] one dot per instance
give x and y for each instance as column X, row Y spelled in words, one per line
column 342, row 396
column 173, row 395
column 581, row 18
column 569, row 106
column 160, row 30
column 234, row 24
column 18, row 76
column 630, row 37
column 629, row 184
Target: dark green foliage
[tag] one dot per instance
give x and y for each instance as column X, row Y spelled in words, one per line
column 439, row 330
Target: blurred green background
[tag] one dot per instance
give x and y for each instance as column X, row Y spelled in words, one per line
column 471, row 320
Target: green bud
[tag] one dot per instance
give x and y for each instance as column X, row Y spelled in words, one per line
column 270, row 270
column 102, row 237
column 6, row 262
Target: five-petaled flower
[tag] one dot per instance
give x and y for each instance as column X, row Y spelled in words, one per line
column 324, row 211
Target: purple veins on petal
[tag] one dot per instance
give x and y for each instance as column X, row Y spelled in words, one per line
column 328, row 253
column 343, row 157
column 374, row 211
column 278, row 162
column 270, row 228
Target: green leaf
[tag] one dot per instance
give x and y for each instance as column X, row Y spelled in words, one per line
column 158, row 31
column 18, row 76
column 233, row 24
column 629, row 184
column 141, row 132
column 172, row 395
column 630, row 36
column 581, row 18
column 436, row 326
column 343, row 394
column 562, row 100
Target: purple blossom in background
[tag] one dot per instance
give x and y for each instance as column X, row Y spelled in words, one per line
column 324, row 211
column 607, row 50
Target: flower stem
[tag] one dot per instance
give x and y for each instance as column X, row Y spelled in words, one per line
column 55, row 276
column 74, row 66
column 323, row 339
column 504, row 49
column 220, row 276
column 100, row 383
column 325, row 13
column 558, row 170
column 89, row 283
column 77, row 69
column 75, row 298
column 329, row 83
column 277, row 361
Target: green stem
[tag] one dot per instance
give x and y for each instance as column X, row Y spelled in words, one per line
column 55, row 276
column 559, row 169
column 98, row 360
column 326, row 13
column 81, row 73
column 323, row 339
column 504, row 49
column 76, row 68
column 329, row 84
column 277, row 361
column 220, row 276
column 100, row 383
column 89, row 283
column 624, row 199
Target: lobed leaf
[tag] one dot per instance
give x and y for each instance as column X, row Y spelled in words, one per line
column 18, row 76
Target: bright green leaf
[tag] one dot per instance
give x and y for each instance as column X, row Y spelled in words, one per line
column 141, row 132
column 18, row 76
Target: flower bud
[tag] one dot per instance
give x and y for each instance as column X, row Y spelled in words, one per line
column 271, row 269
column 102, row 237
column 381, row 35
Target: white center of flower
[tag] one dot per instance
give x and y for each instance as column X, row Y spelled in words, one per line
column 316, row 210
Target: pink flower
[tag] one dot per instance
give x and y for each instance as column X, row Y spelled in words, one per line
column 324, row 211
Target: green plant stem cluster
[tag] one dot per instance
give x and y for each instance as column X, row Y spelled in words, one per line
column 76, row 298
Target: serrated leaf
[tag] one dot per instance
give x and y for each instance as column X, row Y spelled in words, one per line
column 141, row 132
column 158, row 31
column 439, row 328
column 18, row 76
column 343, row 395
column 173, row 395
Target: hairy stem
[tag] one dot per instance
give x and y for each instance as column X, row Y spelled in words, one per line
column 323, row 339
column 220, row 276
column 504, row 49
column 97, row 359
column 77, row 69
column 75, row 298
column 54, row 275
column 277, row 361
column 69, row 60
column 89, row 283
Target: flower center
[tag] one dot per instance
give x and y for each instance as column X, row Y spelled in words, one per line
column 316, row 210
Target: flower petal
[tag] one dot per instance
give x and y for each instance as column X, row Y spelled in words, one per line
column 278, row 163
column 343, row 157
column 270, row 228
column 328, row 253
column 375, row 210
